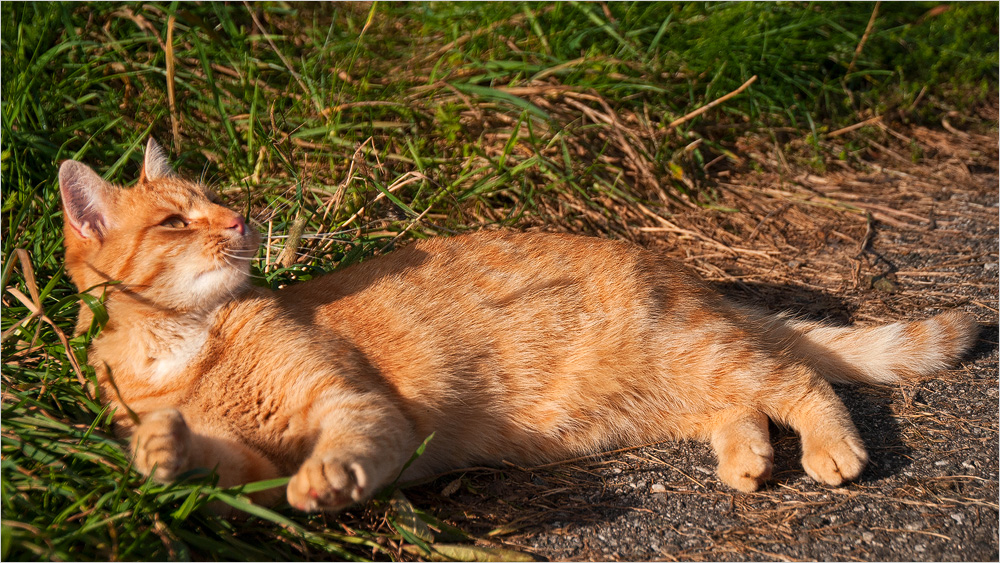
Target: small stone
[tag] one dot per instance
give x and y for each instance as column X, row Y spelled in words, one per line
column 941, row 463
column 450, row 488
column 958, row 517
column 885, row 285
column 867, row 536
column 657, row 488
column 704, row 470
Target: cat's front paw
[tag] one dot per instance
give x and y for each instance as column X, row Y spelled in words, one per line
column 327, row 483
column 161, row 444
column 834, row 461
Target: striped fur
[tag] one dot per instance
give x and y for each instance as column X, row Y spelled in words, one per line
column 506, row 346
column 886, row 353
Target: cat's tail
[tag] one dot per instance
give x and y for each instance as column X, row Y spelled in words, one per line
column 882, row 353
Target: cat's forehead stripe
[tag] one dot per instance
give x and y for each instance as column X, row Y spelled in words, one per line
column 178, row 196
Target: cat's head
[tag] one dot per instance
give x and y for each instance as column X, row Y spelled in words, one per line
column 167, row 240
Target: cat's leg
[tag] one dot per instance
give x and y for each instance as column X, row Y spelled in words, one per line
column 832, row 449
column 165, row 446
column 740, row 439
column 162, row 445
column 359, row 450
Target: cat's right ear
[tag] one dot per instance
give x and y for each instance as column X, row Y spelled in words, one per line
column 85, row 198
column 154, row 164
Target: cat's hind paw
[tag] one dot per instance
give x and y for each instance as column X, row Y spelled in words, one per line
column 835, row 461
column 161, row 444
column 748, row 467
column 741, row 442
column 328, row 484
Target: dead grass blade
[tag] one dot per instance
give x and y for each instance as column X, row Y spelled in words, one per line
column 175, row 125
column 34, row 304
column 712, row 104
column 864, row 38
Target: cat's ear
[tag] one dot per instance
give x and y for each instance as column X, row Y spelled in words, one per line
column 86, row 199
column 155, row 164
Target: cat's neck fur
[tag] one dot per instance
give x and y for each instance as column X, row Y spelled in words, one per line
column 152, row 343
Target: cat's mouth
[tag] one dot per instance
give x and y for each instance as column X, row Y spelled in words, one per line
column 230, row 264
column 238, row 255
column 238, row 251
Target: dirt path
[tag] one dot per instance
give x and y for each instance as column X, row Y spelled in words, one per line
column 802, row 241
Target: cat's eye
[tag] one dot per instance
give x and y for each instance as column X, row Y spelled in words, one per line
column 174, row 222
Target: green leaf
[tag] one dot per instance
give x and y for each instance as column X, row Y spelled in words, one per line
column 406, row 517
column 96, row 307
column 258, row 486
column 244, row 504
column 395, row 200
column 416, row 454
column 500, row 95
column 410, row 537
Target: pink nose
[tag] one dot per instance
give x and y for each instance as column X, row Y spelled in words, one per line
column 239, row 224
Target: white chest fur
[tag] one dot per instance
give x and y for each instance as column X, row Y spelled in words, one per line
column 174, row 354
column 156, row 349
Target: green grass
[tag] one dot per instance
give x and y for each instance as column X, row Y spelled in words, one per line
column 370, row 125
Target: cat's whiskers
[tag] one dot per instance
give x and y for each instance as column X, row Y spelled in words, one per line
column 275, row 211
column 320, row 236
column 245, row 256
column 237, row 268
column 204, row 172
column 304, row 255
column 330, row 239
column 317, row 243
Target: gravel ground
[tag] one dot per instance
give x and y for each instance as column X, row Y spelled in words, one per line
column 931, row 490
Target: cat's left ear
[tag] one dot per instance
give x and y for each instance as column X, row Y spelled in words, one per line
column 155, row 164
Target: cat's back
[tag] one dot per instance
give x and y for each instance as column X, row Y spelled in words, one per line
column 498, row 267
column 501, row 305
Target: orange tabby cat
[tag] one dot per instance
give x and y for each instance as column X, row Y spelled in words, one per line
column 506, row 346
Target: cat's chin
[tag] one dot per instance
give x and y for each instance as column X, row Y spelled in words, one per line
column 212, row 288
